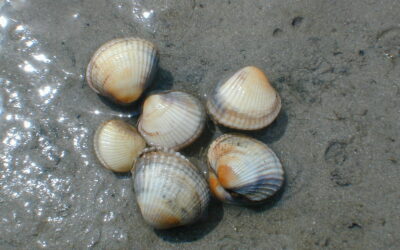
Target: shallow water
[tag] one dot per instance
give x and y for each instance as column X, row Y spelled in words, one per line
column 335, row 65
column 51, row 183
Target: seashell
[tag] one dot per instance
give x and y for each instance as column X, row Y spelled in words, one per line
column 245, row 101
column 170, row 191
column 117, row 145
column 121, row 69
column 171, row 119
column 243, row 170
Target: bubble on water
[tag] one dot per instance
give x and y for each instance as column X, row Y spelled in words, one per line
column 27, row 67
column 109, row 216
column 3, row 21
column 42, row 243
column 20, row 28
column 30, row 43
column 41, row 58
column 27, row 124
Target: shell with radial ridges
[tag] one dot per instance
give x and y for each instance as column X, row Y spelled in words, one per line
column 171, row 119
column 243, row 170
column 170, row 191
column 122, row 69
column 245, row 101
column 117, row 145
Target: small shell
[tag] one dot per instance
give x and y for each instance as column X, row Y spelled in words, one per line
column 243, row 170
column 245, row 101
column 117, row 145
column 122, row 68
column 170, row 191
column 171, row 119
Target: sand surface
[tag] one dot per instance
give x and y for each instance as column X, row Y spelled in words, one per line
column 335, row 64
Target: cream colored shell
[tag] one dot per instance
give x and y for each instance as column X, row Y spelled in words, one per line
column 245, row 101
column 170, row 191
column 122, row 68
column 243, row 170
column 171, row 119
column 117, row 145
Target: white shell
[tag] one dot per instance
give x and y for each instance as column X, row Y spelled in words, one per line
column 243, row 170
column 122, row 68
column 245, row 101
column 117, row 145
column 172, row 119
column 170, row 191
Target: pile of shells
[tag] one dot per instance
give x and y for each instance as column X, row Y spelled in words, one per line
column 170, row 190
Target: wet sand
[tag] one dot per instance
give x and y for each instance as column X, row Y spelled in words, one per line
column 334, row 63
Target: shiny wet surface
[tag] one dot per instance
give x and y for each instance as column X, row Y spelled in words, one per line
column 335, row 64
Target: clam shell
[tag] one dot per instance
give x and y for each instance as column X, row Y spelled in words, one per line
column 243, row 170
column 245, row 101
column 122, row 68
column 170, row 191
column 172, row 119
column 117, row 145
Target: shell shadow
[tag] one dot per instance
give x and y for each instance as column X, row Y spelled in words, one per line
column 163, row 80
column 270, row 202
column 196, row 231
column 203, row 141
column 120, row 176
column 269, row 134
column 129, row 110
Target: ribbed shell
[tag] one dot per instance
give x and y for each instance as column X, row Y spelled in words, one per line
column 117, row 145
column 122, row 68
column 243, row 170
column 171, row 119
column 170, row 191
column 245, row 101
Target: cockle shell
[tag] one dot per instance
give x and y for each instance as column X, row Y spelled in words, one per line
column 170, row 191
column 122, row 68
column 171, row 119
column 245, row 101
column 117, row 145
column 243, row 170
